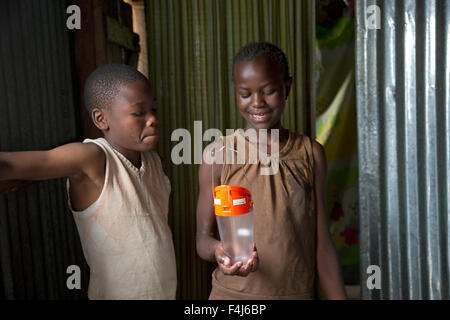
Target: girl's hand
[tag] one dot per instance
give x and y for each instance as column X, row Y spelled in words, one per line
column 238, row 269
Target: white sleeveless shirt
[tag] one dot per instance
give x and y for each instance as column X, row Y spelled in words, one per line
column 125, row 236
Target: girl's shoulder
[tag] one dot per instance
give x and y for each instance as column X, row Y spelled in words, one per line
column 310, row 151
column 298, row 146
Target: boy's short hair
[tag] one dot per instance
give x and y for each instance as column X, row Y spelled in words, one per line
column 255, row 50
column 104, row 83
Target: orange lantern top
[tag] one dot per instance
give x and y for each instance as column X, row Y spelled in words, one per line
column 231, row 200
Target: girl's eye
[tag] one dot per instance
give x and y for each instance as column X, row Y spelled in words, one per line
column 245, row 96
column 138, row 114
column 269, row 93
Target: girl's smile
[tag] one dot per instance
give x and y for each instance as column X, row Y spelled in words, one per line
column 260, row 117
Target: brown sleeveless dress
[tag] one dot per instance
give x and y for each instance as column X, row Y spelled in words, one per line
column 284, row 224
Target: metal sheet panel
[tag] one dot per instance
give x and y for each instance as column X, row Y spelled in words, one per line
column 403, row 76
column 38, row 237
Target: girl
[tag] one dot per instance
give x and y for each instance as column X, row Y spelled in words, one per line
column 290, row 222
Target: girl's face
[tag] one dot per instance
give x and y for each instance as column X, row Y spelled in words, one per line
column 261, row 92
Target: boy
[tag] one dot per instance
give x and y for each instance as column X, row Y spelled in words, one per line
column 117, row 190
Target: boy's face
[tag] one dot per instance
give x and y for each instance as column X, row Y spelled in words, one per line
column 131, row 118
column 261, row 92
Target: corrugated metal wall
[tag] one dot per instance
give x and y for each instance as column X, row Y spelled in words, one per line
column 191, row 46
column 403, row 88
column 38, row 237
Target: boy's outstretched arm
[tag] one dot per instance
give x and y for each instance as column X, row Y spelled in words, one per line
column 327, row 262
column 73, row 160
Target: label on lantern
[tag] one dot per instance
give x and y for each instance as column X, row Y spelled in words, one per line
column 238, row 201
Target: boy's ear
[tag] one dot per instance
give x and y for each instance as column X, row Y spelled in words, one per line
column 288, row 85
column 99, row 119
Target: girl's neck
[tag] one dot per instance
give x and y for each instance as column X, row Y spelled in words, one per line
column 283, row 136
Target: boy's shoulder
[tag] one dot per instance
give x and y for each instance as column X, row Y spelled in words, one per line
column 76, row 153
column 90, row 158
column 89, row 150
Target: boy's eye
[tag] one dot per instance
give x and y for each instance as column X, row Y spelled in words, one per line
column 268, row 93
column 245, row 96
column 138, row 114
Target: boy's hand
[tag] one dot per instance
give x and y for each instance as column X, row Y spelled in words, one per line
column 238, row 269
column 13, row 185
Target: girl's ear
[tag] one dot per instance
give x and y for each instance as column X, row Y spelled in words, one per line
column 99, row 118
column 288, row 84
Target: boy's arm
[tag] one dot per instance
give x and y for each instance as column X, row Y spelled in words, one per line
column 73, row 160
column 327, row 262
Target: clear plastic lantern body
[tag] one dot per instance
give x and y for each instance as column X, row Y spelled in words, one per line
column 236, row 235
column 234, row 213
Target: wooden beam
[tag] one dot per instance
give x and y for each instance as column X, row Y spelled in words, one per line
column 121, row 35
